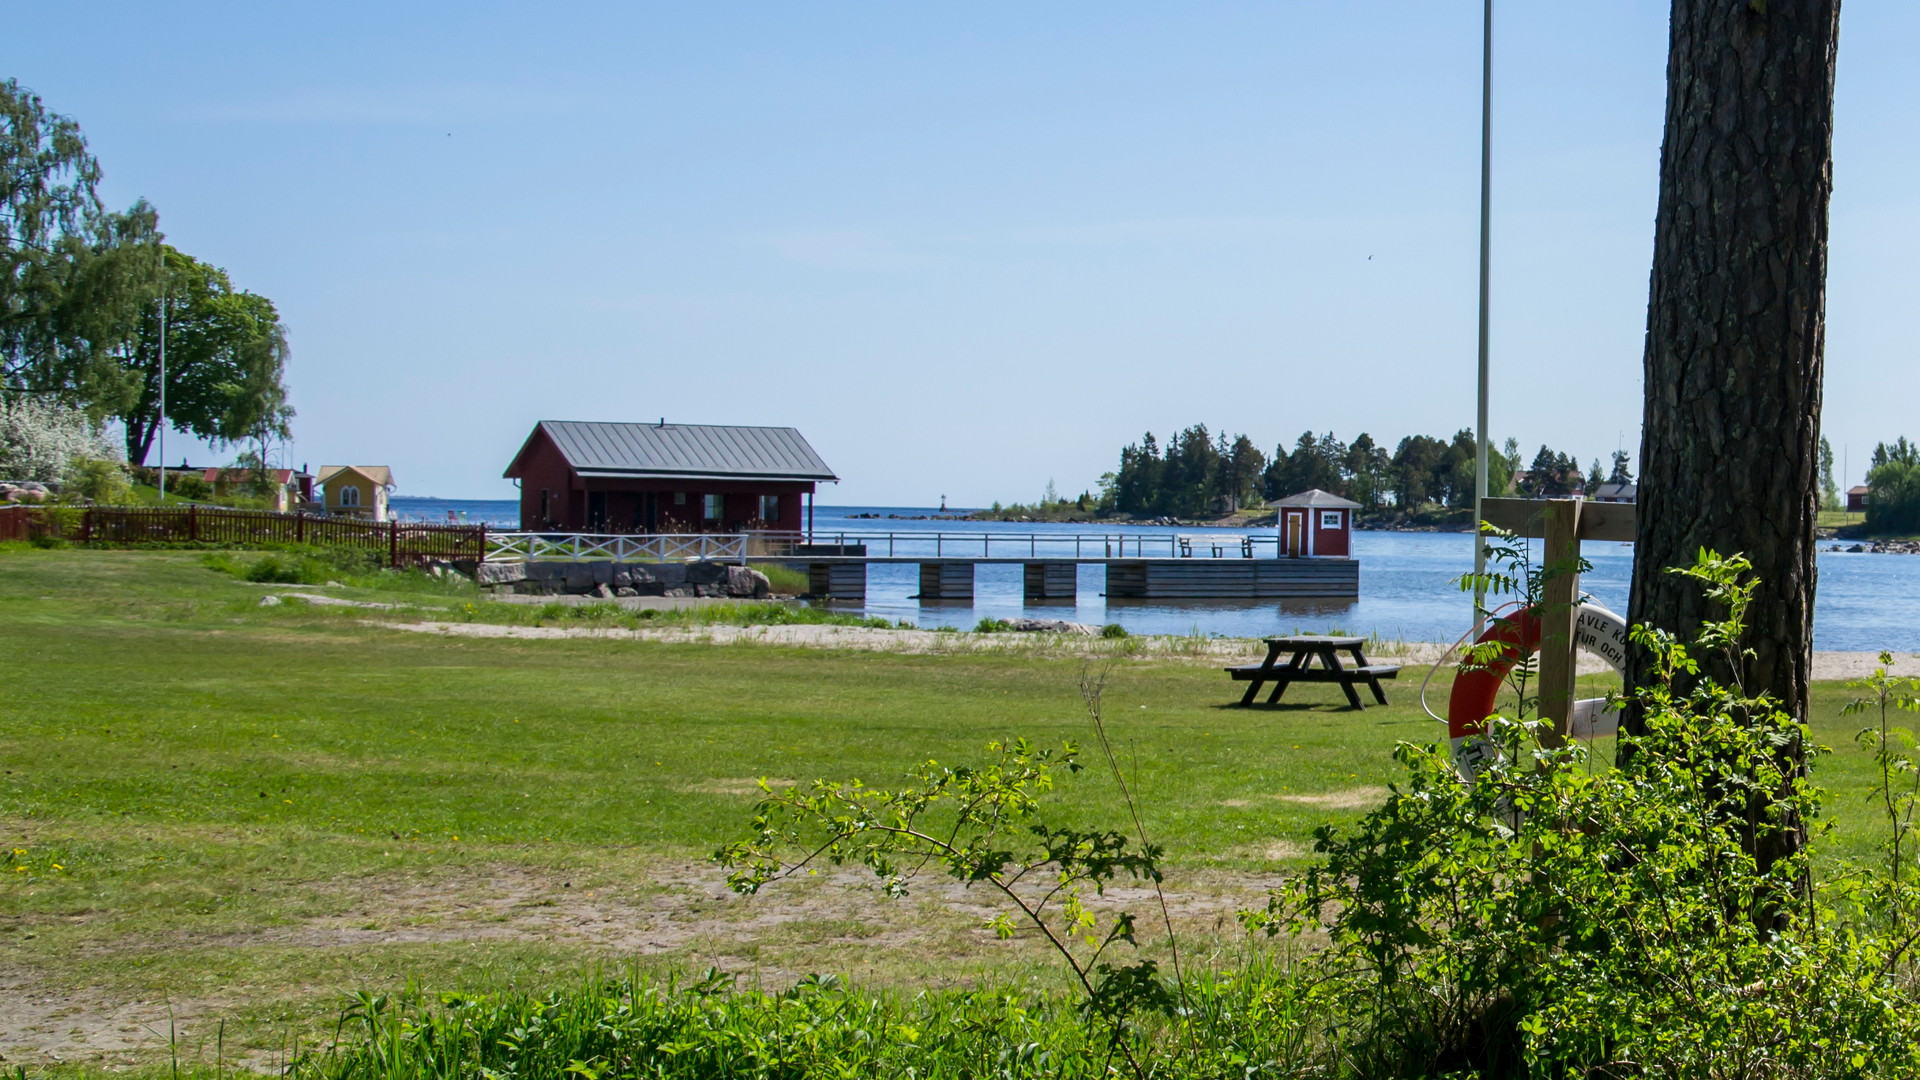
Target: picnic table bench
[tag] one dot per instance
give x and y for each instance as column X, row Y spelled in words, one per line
column 1219, row 544
column 1299, row 669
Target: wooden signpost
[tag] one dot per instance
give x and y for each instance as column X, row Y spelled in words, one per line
column 1562, row 524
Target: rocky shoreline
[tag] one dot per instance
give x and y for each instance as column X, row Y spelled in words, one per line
column 1883, row 547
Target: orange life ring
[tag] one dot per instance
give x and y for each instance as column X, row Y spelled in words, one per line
column 1475, row 689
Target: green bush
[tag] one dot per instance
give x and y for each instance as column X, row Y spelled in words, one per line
column 288, row 569
column 1113, row 630
column 703, row 1028
column 1545, row 919
column 188, row 486
column 991, row 625
column 297, row 565
column 101, row 481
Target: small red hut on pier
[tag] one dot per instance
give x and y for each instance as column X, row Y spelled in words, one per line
column 1316, row 523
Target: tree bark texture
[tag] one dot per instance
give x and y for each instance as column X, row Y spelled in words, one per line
column 1729, row 450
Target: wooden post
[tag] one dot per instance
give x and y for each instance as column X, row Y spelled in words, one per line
column 193, row 523
column 300, row 526
column 1561, row 591
column 393, row 544
column 1563, row 523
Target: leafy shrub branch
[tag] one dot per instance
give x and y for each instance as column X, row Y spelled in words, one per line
column 979, row 825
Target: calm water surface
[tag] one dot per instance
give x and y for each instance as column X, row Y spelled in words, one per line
column 1865, row 602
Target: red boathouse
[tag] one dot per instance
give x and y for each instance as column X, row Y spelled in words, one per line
column 665, row 478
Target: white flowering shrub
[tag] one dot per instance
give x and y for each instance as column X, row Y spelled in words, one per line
column 49, row 442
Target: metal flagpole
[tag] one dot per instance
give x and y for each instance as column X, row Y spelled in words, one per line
column 163, row 396
column 1486, row 255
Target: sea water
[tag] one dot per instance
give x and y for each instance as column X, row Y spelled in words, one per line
column 1408, row 583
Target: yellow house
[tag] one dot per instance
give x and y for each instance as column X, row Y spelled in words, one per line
column 356, row 490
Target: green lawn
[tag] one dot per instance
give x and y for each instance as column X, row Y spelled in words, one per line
column 240, row 812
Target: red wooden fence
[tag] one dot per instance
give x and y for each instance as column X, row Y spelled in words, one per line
column 399, row 544
column 27, row 522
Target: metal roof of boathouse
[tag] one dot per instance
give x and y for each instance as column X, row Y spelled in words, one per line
column 702, row 451
column 1318, row 498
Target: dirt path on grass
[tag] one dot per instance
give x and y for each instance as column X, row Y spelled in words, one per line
column 45, row 1026
column 1827, row 666
column 865, row 638
column 681, row 911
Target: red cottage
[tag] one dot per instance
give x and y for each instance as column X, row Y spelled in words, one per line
column 665, row 478
column 1316, row 523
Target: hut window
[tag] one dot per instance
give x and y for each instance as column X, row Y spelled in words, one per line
column 349, row 495
column 1329, row 519
column 715, row 505
column 770, row 508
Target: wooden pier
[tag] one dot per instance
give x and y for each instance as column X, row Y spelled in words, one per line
column 1138, row 566
column 1234, row 579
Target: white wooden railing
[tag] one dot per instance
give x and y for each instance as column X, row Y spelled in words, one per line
column 516, row 546
column 911, row 544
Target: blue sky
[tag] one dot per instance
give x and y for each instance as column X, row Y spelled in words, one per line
column 964, row 251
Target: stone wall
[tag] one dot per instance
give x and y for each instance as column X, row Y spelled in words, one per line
column 604, row 577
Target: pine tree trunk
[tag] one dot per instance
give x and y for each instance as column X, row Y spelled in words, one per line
column 1736, row 324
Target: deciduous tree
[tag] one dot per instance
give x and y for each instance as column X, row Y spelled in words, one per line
column 47, row 201
column 226, row 361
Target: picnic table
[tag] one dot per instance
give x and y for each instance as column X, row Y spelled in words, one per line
column 1305, row 648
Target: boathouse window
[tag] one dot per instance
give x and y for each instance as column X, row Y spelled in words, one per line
column 679, row 498
column 1329, row 519
column 770, row 509
column 715, row 506
column 349, row 495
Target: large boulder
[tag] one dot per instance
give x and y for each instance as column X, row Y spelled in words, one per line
column 707, row 573
column 745, row 581
column 500, row 573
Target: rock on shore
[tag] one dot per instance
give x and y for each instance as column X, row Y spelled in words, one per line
column 606, row 578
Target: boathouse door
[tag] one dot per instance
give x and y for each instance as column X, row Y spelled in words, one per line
column 1294, row 532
